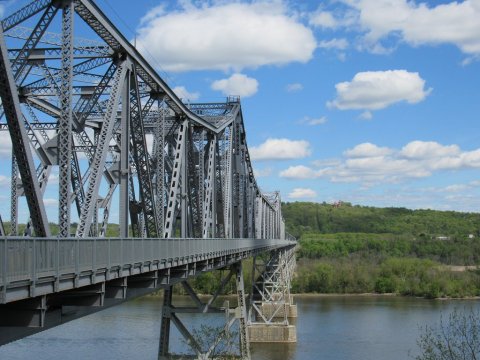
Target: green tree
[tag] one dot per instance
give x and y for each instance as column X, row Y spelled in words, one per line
column 456, row 338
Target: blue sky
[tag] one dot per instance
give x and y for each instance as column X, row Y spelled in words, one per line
column 375, row 102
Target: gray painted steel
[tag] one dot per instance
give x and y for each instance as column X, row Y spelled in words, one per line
column 33, row 267
column 95, row 111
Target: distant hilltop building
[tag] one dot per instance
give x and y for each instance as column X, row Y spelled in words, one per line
column 338, row 203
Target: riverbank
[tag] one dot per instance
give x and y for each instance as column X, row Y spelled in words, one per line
column 375, row 295
column 356, row 274
column 232, row 297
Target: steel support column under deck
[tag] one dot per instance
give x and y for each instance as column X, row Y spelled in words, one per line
column 203, row 345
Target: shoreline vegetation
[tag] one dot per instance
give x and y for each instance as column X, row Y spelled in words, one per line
column 345, row 249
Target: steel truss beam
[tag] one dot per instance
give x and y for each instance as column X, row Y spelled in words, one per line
column 91, row 109
column 98, row 162
column 195, row 341
column 20, row 146
column 197, row 179
column 270, row 296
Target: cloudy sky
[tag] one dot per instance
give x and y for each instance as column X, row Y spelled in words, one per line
column 375, row 102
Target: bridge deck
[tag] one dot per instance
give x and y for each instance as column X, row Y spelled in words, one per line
column 32, row 267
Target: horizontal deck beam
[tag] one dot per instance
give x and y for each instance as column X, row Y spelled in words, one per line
column 31, row 267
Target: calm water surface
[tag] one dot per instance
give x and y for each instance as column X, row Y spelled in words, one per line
column 331, row 328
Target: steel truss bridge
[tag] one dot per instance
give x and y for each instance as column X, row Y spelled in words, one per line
column 94, row 127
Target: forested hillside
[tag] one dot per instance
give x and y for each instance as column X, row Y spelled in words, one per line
column 356, row 249
column 305, row 217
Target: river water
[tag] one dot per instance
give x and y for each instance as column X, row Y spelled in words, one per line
column 330, row 328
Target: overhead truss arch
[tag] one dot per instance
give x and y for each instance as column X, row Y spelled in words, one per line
column 97, row 113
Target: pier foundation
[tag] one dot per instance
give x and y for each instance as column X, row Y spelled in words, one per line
column 271, row 304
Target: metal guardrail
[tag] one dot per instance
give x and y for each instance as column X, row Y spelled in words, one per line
column 290, row 237
column 23, row 258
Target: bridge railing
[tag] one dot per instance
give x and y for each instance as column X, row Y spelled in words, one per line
column 23, row 258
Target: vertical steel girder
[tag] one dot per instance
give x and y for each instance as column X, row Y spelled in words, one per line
column 159, row 142
column 65, row 121
column 164, row 348
column 124, row 162
column 14, row 197
column 142, row 164
column 201, row 181
column 173, row 193
column 209, row 211
column 242, row 316
column 228, row 184
column 184, row 185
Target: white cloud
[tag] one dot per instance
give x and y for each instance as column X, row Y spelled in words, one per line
column 417, row 198
column 313, row 121
column 318, row 121
column 429, row 149
column 326, row 162
column 224, row 36
column 184, row 94
column 50, row 202
column 262, row 172
column 5, row 145
column 294, row 87
column 298, row 172
column 455, row 188
column 415, row 23
column 366, row 115
column 342, row 57
column 4, row 181
column 339, row 44
column 281, row 149
column 302, row 193
column 367, row 150
column 237, row 84
column 369, row 164
column 153, row 14
column 373, row 90
column 53, row 178
column 323, row 19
